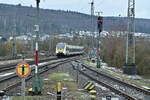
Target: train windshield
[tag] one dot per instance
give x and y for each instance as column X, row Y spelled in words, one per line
column 60, row 46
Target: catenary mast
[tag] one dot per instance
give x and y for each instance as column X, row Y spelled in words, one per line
column 130, row 67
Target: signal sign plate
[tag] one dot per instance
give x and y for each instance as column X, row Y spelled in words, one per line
column 23, row 69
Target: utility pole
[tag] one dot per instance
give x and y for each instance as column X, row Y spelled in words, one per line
column 31, row 36
column 91, row 53
column 5, row 24
column 92, row 8
column 130, row 67
column 37, row 81
column 14, row 42
column 92, row 21
column 14, row 33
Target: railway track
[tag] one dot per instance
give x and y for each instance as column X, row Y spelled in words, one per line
column 13, row 65
column 3, row 79
column 42, row 69
column 127, row 90
column 27, row 55
column 9, row 58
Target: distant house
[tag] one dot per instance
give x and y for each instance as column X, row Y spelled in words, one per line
column 44, row 37
column 23, row 38
column 67, row 35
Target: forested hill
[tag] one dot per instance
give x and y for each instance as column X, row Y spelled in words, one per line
column 20, row 19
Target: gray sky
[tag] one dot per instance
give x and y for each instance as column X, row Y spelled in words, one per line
column 109, row 7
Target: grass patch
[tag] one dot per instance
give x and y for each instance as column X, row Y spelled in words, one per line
column 136, row 82
column 11, row 61
column 64, row 78
column 82, row 97
column 67, row 82
column 50, row 86
column 146, row 76
column 59, row 77
column 27, row 97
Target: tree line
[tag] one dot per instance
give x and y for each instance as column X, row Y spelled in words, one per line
column 17, row 19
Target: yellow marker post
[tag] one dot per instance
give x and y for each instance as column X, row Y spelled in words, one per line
column 58, row 89
column 93, row 94
column 30, row 91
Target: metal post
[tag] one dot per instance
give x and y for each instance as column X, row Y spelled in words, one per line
column 14, row 33
column 14, row 45
column 23, row 88
column 37, row 36
column 78, row 73
column 98, row 50
column 92, row 22
column 32, row 44
column 14, row 40
column 23, row 83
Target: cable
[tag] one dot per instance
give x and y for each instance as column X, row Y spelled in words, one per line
column 22, row 2
column 100, row 2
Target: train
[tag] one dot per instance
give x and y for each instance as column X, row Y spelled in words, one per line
column 63, row 49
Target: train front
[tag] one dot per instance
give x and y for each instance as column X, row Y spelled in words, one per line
column 60, row 49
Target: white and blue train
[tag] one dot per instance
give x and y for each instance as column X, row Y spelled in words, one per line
column 63, row 49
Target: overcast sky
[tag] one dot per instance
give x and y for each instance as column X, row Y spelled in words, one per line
column 108, row 7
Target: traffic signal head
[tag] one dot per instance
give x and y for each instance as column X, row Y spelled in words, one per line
column 100, row 23
column 38, row 1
